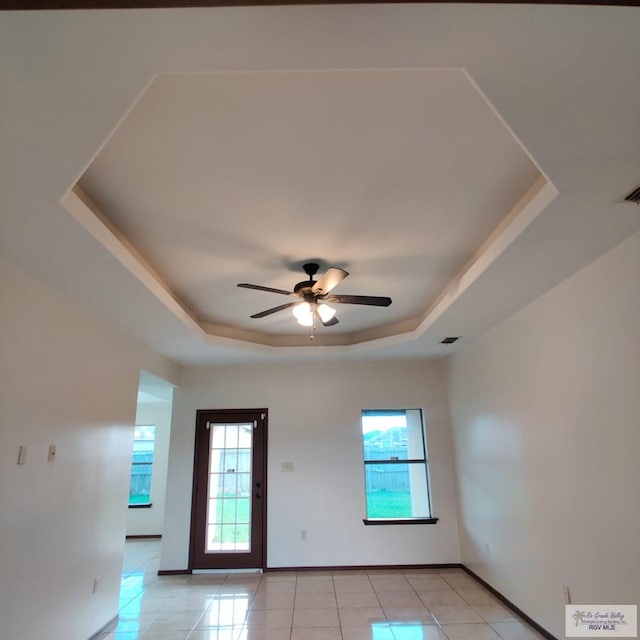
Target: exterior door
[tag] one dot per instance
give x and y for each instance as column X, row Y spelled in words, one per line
column 228, row 515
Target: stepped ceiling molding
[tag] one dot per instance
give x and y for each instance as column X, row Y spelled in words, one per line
column 461, row 159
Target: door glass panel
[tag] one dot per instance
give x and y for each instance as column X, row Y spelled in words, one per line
column 231, row 437
column 244, row 439
column 212, row 510
column 229, row 497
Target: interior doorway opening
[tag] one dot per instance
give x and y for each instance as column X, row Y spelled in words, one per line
column 150, row 457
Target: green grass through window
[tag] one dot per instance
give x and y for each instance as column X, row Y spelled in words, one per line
column 389, row 504
column 228, row 513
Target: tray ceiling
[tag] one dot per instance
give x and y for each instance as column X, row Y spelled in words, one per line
column 398, row 176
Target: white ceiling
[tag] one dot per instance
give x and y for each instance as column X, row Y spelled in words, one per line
column 242, row 177
column 404, row 143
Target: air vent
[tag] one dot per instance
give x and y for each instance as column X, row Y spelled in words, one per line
column 450, row 340
column 634, row 196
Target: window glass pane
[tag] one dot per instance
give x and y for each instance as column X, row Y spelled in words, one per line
column 231, row 441
column 245, row 436
column 217, row 435
column 393, row 435
column 243, row 484
column 242, row 536
column 142, row 464
column 227, row 537
column 212, row 511
column 229, row 481
column 396, row 490
column 243, row 506
column 227, row 511
column 243, row 460
column 216, row 486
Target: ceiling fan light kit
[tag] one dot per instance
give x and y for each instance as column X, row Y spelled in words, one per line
column 303, row 314
column 314, row 296
column 326, row 312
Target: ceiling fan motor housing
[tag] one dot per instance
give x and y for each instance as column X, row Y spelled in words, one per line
column 302, row 287
column 310, row 268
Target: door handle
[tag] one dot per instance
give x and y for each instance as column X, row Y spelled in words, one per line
column 258, row 496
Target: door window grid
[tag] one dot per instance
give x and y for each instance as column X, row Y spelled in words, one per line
column 229, row 488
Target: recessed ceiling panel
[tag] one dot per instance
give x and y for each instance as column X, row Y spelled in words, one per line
column 397, row 176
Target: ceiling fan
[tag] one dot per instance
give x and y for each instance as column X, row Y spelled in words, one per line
column 314, row 296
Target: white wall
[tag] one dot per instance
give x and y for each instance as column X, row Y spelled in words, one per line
column 149, row 522
column 67, row 379
column 546, row 412
column 314, row 422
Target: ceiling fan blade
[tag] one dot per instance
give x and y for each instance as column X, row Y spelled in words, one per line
column 374, row 301
column 268, row 312
column 332, row 277
column 258, row 287
column 330, row 323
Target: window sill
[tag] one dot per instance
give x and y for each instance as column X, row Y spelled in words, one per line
column 148, row 505
column 386, row 521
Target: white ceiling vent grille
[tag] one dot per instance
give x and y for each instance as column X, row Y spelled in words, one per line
column 634, row 196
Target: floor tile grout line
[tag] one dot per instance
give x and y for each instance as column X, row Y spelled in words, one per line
column 449, row 579
column 293, row 610
column 373, row 586
column 335, row 595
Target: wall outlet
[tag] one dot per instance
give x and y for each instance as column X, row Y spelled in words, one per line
column 22, row 454
column 96, row 582
column 567, row 595
column 286, row 466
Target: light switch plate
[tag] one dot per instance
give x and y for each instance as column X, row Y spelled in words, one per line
column 22, row 454
column 52, row 453
column 286, row 466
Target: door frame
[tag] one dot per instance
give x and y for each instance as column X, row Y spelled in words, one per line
column 265, row 424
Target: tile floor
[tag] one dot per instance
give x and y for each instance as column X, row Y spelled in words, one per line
column 320, row 605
